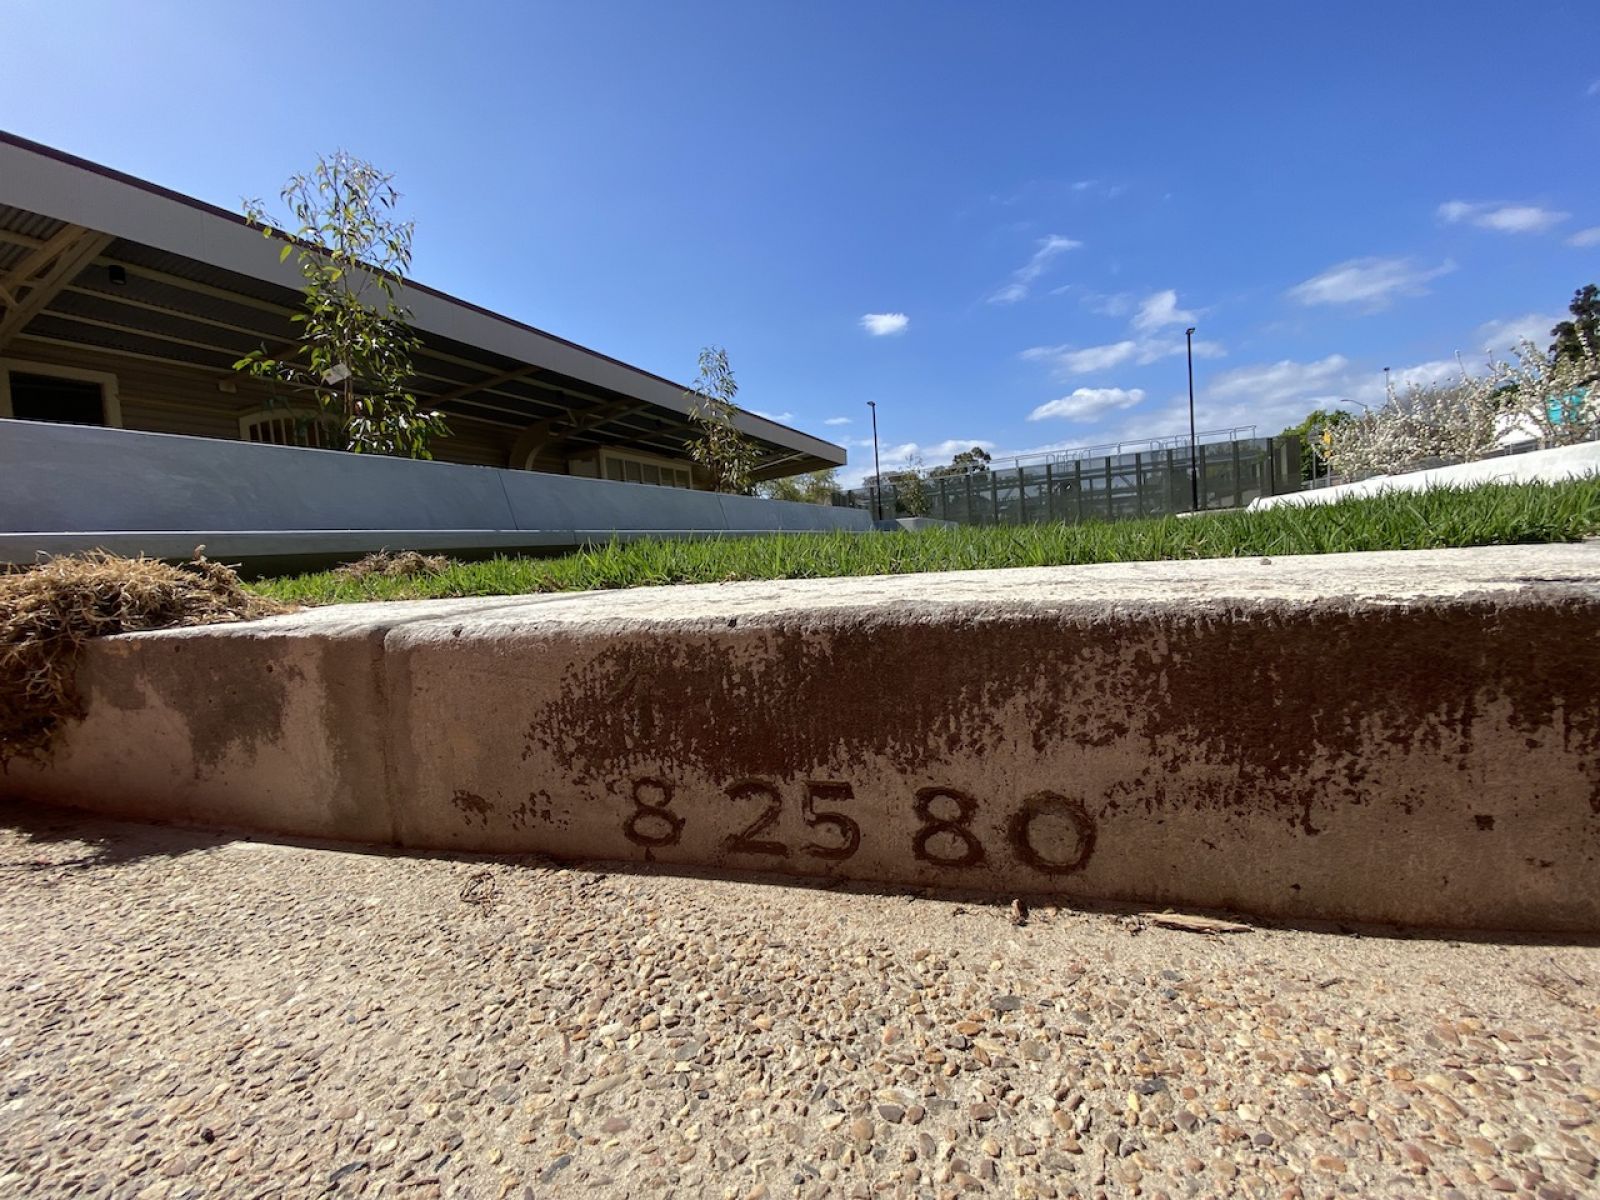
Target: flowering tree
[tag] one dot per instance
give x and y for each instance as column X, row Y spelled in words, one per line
column 1556, row 392
column 354, row 353
column 1452, row 422
column 1425, row 425
column 1548, row 396
column 1375, row 443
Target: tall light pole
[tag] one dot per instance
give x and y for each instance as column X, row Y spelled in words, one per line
column 877, row 471
column 1194, row 462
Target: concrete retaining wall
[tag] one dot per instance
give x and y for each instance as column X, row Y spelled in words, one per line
column 65, row 488
column 1536, row 466
column 1387, row 737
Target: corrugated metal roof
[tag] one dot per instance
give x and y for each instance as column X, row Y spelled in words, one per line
column 181, row 267
column 176, row 309
column 28, row 224
column 65, row 329
column 141, row 290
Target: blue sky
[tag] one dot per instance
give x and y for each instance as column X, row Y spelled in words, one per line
column 994, row 220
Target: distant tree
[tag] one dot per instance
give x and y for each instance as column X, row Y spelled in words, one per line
column 910, row 490
column 969, row 462
column 813, row 487
column 1310, row 432
column 727, row 455
column 354, row 353
column 1585, row 324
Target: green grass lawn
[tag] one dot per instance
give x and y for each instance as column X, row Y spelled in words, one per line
column 1494, row 515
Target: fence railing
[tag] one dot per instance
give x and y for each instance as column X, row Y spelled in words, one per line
column 1175, row 441
column 1107, row 487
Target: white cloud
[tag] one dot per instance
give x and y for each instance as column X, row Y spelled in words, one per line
column 899, row 455
column 1106, row 191
column 885, row 324
column 1522, row 218
column 1086, row 403
column 838, row 421
column 1586, row 237
column 1439, row 370
column 1161, row 310
column 951, row 447
column 782, row 417
column 1268, row 396
column 1370, row 282
column 894, row 452
column 1115, row 304
column 1271, row 396
column 1272, row 383
column 1498, row 337
column 1048, row 249
column 1503, row 218
column 1079, row 362
column 1158, row 311
column 1067, row 361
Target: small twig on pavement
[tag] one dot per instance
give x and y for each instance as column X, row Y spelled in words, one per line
column 1192, row 924
column 481, row 890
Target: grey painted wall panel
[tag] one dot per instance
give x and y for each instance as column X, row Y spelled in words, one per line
column 70, row 480
column 541, row 501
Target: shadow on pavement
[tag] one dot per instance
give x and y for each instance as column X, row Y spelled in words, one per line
column 92, row 841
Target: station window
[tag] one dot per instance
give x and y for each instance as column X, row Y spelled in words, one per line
column 66, row 395
column 629, row 468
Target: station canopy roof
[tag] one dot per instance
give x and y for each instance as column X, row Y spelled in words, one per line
column 200, row 288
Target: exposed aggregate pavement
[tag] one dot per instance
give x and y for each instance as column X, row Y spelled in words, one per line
column 197, row 1014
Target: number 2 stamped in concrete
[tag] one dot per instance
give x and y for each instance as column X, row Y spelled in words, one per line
column 944, row 837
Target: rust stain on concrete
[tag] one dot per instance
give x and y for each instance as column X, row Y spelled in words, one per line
column 1287, row 704
column 226, row 702
column 473, row 806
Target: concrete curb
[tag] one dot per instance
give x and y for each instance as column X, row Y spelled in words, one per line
column 1377, row 737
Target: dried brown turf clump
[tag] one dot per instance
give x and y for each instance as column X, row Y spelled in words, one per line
column 48, row 612
column 407, row 564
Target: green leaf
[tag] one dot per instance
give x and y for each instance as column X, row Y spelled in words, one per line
column 284, row 253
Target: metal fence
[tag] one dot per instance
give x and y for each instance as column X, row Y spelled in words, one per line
column 1108, row 487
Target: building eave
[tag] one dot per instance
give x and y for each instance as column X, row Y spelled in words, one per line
column 50, row 181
